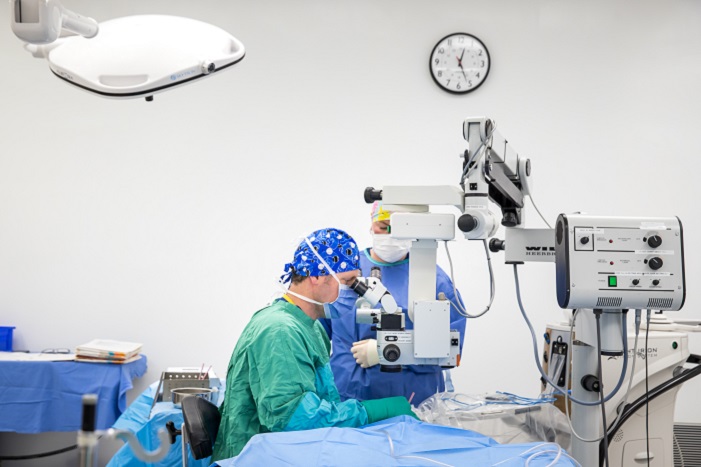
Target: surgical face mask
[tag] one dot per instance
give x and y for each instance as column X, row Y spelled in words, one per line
column 388, row 249
column 345, row 302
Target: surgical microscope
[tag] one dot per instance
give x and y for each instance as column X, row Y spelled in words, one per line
column 604, row 267
column 492, row 170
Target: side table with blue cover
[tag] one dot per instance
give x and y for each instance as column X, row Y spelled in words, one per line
column 37, row 397
column 145, row 423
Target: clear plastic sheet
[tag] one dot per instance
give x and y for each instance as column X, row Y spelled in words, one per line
column 506, row 418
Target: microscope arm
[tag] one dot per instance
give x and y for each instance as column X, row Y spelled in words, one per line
column 493, row 171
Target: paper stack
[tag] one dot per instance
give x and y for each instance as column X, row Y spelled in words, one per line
column 107, row 351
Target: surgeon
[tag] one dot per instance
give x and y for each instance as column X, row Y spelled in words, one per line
column 279, row 377
column 354, row 358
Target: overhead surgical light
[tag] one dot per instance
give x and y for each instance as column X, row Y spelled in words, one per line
column 133, row 56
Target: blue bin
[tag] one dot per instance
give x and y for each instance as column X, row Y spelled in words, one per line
column 6, row 338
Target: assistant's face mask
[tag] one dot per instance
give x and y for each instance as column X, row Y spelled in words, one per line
column 389, row 249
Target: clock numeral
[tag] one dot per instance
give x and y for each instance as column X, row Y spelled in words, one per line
column 450, row 42
column 437, row 61
column 461, row 39
column 480, row 53
column 482, row 65
column 441, row 50
column 440, row 74
column 447, row 83
column 458, row 86
column 469, row 83
column 478, row 74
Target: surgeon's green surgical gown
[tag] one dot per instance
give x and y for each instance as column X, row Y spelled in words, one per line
column 279, row 379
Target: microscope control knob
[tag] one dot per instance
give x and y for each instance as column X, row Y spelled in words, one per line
column 391, row 353
column 591, row 383
column 496, row 245
column 655, row 263
column 371, row 195
column 467, row 223
column 656, row 282
column 654, row 241
column 584, row 240
column 636, row 281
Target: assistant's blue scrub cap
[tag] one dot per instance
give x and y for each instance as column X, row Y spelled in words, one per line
column 338, row 249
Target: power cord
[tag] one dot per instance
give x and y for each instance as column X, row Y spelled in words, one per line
column 538, row 211
column 647, row 392
column 565, row 393
column 492, row 287
column 597, row 315
column 39, row 455
column 537, row 360
column 623, row 404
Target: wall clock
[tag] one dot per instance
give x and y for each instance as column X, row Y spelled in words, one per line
column 459, row 63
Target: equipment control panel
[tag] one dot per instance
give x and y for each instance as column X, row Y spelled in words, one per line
column 619, row 262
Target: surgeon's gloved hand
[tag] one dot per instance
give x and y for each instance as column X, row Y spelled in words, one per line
column 365, row 353
column 381, row 409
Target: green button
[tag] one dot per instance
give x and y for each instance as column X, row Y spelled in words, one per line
column 613, row 282
column 675, row 345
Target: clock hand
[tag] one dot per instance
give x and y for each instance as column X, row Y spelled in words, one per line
column 460, row 65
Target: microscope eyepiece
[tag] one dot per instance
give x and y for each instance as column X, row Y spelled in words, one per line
column 359, row 287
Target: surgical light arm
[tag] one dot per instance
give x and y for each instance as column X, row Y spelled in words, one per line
column 42, row 21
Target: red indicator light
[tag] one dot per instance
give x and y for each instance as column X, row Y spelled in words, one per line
column 610, row 241
column 611, row 263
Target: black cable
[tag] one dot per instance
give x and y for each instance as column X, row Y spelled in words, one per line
column 647, row 392
column 40, row 455
column 597, row 314
column 630, row 409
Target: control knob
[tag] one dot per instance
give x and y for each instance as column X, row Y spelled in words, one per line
column 467, row 223
column 655, row 263
column 391, row 353
column 654, row 241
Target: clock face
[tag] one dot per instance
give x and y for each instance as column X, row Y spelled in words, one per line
column 459, row 63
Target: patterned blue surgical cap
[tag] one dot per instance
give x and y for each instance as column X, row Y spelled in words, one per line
column 338, row 249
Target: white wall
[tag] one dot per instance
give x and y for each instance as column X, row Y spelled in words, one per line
column 168, row 222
